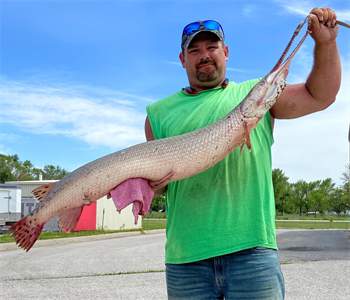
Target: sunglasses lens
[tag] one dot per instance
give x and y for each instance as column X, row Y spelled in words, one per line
column 211, row 25
column 191, row 28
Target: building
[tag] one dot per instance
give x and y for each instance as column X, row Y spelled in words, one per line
column 10, row 204
column 101, row 214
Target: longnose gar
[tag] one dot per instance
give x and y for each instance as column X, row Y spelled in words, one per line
column 159, row 161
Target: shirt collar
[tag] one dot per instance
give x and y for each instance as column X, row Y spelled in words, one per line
column 192, row 91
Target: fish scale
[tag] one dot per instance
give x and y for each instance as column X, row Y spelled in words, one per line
column 159, row 161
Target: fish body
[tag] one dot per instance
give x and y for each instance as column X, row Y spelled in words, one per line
column 159, row 161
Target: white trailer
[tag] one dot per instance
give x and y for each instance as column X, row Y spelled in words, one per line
column 10, row 203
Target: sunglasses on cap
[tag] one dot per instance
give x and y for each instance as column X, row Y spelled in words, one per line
column 192, row 29
column 196, row 26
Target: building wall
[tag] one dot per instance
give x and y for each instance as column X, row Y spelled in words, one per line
column 113, row 220
column 29, row 186
column 87, row 219
column 29, row 204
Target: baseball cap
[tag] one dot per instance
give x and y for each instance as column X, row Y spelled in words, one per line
column 192, row 29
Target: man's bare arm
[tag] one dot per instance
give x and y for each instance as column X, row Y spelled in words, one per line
column 150, row 137
column 323, row 83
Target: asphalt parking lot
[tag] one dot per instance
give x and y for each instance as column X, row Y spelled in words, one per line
column 315, row 264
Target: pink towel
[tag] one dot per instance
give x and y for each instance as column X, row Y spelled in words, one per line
column 133, row 190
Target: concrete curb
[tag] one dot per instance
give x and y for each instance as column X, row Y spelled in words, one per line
column 80, row 239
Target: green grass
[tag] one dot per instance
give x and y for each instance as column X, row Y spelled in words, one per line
column 153, row 224
column 156, row 215
column 341, row 217
column 46, row 235
column 5, row 238
column 146, row 225
column 313, row 225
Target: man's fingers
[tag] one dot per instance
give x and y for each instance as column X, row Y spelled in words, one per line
column 325, row 16
column 318, row 12
column 329, row 17
column 333, row 17
column 322, row 25
column 313, row 22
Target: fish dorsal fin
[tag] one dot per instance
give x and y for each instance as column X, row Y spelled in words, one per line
column 41, row 192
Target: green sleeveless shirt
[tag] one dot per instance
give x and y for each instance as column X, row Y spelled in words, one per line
column 229, row 207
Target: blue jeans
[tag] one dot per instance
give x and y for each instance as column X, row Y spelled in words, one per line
column 249, row 274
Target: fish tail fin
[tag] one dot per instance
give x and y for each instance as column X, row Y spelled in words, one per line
column 68, row 219
column 26, row 231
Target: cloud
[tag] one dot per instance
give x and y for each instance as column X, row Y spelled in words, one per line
column 5, row 150
column 299, row 8
column 249, row 10
column 238, row 70
column 303, row 8
column 343, row 15
column 108, row 118
column 174, row 63
column 10, row 136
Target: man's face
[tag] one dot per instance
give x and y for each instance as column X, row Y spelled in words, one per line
column 205, row 61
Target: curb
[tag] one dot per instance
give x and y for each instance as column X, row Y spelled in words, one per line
column 79, row 239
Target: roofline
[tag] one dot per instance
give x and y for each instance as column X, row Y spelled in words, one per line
column 30, row 182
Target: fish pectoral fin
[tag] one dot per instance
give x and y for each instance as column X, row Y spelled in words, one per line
column 41, row 192
column 68, row 219
column 246, row 142
column 249, row 124
column 155, row 185
column 246, row 139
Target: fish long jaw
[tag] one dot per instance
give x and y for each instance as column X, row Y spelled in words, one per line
column 265, row 93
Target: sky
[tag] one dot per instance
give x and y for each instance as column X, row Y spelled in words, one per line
column 76, row 76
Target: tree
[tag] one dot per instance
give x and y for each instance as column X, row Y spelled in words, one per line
column 300, row 191
column 346, row 175
column 281, row 189
column 321, row 195
column 336, row 200
column 51, row 172
column 345, row 197
column 339, row 199
column 346, row 188
column 6, row 169
column 309, row 199
column 13, row 169
column 158, row 203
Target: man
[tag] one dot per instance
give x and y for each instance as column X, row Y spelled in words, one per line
column 220, row 230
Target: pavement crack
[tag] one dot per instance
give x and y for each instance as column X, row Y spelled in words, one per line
column 91, row 275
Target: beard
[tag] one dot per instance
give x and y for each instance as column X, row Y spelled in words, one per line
column 207, row 76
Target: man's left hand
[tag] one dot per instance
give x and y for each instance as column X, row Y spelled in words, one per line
column 322, row 24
